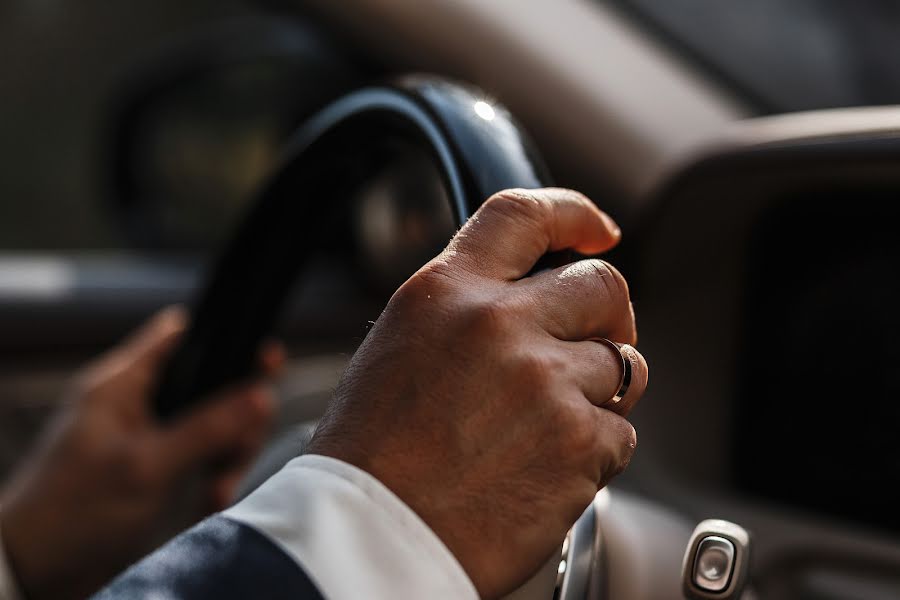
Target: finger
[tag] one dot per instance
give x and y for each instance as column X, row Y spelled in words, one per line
column 272, row 358
column 223, row 491
column 589, row 298
column 155, row 339
column 617, row 441
column 514, row 228
column 216, row 429
column 598, row 369
column 130, row 366
column 224, row 488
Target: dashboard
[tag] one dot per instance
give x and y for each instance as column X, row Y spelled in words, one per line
column 763, row 258
column 761, row 252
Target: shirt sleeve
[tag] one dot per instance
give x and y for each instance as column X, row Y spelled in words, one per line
column 9, row 588
column 351, row 534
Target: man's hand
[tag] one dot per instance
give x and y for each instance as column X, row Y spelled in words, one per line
column 109, row 483
column 477, row 396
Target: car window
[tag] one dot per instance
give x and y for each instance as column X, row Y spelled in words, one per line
column 786, row 56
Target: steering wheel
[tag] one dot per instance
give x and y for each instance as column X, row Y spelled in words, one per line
column 479, row 150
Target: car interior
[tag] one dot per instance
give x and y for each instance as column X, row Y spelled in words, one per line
column 152, row 147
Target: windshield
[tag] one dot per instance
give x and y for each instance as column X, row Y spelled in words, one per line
column 787, row 56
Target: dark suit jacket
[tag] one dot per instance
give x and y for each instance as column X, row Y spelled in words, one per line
column 217, row 559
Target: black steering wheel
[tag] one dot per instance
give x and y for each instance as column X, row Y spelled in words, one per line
column 477, row 146
column 479, row 150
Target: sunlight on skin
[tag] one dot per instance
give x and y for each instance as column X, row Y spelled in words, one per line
column 445, row 257
column 576, row 271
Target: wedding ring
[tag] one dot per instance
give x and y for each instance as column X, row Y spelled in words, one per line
column 625, row 380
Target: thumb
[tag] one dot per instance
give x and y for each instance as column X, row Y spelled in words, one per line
column 149, row 345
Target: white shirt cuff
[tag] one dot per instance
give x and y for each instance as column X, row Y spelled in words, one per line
column 9, row 587
column 353, row 537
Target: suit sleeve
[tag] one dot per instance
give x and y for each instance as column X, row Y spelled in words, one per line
column 319, row 528
column 219, row 558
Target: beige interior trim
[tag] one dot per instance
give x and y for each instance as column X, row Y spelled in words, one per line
column 590, row 86
column 868, row 122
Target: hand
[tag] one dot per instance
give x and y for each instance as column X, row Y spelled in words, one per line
column 476, row 397
column 109, row 483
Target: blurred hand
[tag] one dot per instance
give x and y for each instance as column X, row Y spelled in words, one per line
column 476, row 397
column 109, row 483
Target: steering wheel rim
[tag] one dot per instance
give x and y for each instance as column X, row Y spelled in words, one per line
column 479, row 150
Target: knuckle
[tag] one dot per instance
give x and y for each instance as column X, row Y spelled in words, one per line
column 598, row 279
column 582, row 439
column 539, row 371
column 608, row 280
column 490, row 316
column 578, row 197
column 434, row 280
column 443, row 270
column 517, row 203
column 431, row 277
column 608, row 287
